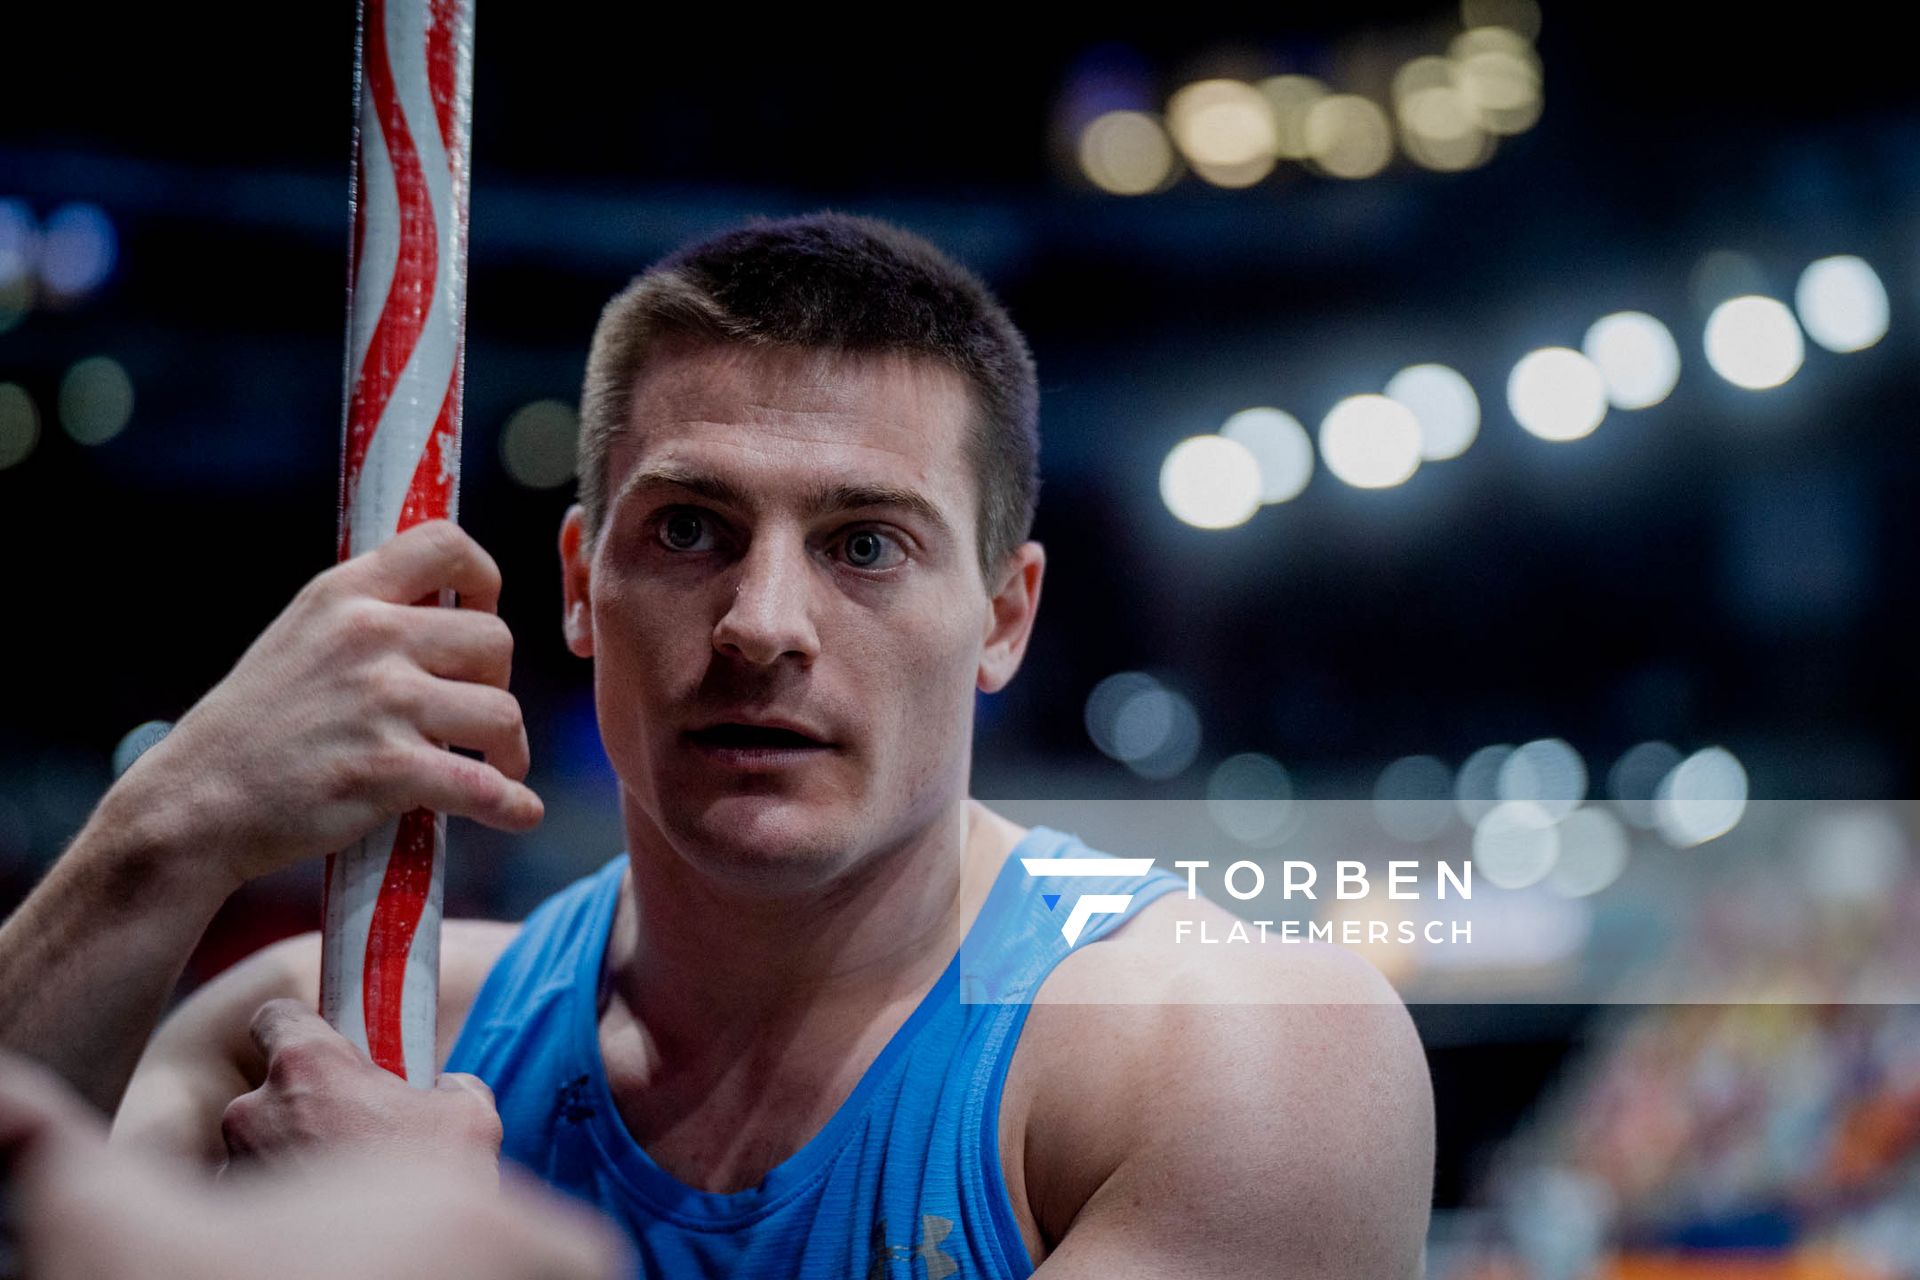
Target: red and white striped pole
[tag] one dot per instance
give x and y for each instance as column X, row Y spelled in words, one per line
column 400, row 464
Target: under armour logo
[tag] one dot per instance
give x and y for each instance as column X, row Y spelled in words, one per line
column 940, row 1264
column 1087, row 905
column 570, row 1103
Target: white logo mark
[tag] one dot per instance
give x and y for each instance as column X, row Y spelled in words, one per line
column 1088, row 905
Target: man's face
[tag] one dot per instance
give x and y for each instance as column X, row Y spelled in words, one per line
column 785, row 607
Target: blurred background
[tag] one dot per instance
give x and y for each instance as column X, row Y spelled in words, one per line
column 1498, row 414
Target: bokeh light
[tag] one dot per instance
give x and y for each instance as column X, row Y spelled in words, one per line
column 1151, row 729
column 1547, row 772
column 1290, row 98
column 1594, row 848
column 1348, row 136
column 137, row 742
column 96, row 400
column 78, row 249
column 1444, row 404
column 19, row 424
column 1413, row 798
column 1250, row 797
column 1104, row 703
column 1281, row 449
column 1635, row 779
column 1499, row 73
column 1222, row 122
column 1754, row 342
column 1233, row 176
column 1476, row 788
column 1557, row 394
column 1371, row 442
column 1856, row 854
column 1439, row 125
column 538, row 444
column 1842, row 303
column 1211, row 482
column 1160, row 732
column 1426, row 72
column 1440, row 130
column 1637, row 358
column 1126, row 153
column 1515, row 845
column 1702, row 799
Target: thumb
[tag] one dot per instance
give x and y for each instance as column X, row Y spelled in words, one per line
column 461, row 1082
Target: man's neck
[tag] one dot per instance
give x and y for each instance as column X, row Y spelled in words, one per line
column 711, row 967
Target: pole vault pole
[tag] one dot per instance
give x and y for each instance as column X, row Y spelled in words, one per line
column 400, row 465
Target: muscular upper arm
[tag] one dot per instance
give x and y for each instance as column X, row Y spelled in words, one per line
column 202, row 1057
column 1282, row 1128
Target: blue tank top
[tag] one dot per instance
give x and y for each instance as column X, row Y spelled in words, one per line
column 902, row 1183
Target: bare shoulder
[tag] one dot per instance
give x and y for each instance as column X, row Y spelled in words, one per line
column 468, row 949
column 220, row 1011
column 203, row 1055
column 1224, row 1105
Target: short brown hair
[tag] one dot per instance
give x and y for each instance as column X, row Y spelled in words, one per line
column 834, row 282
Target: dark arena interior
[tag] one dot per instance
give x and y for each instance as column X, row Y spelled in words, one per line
column 1469, row 434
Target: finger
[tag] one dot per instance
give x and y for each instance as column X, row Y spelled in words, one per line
column 236, row 1131
column 433, row 778
column 459, row 644
column 480, row 718
column 279, row 1025
column 426, row 558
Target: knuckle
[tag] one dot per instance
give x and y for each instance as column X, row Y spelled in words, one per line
column 468, row 1090
column 393, row 762
column 480, row 1122
column 380, row 771
column 388, row 687
column 499, row 637
column 495, row 653
column 296, row 1064
column 474, row 782
column 358, row 774
column 507, row 720
column 316, row 588
column 343, row 778
column 237, row 1122
column 363, row 625
column 445, row 535
column 450, row 544
column 304, row 1071
column 271, row 1010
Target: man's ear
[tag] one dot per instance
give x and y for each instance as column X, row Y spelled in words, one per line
column 1012, row 609
column 576, row 582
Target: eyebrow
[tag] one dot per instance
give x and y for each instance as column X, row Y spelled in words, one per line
column 821, row 500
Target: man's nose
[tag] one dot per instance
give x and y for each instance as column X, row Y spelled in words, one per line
column 769, row 616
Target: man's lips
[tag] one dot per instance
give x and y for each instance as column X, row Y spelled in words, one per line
column 746, row 736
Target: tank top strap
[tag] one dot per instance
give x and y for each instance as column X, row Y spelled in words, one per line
column 558, row 949
column 1052, row 896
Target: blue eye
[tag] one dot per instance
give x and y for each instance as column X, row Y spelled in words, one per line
column 685, row 531
column 871, row 549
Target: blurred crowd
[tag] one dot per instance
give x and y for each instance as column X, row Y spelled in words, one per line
column 1779, row 1138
